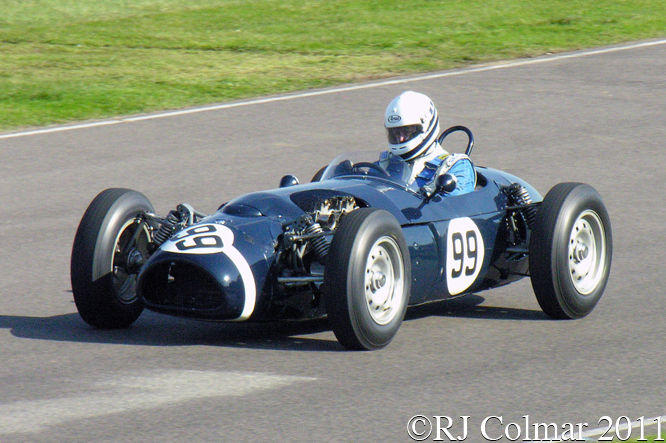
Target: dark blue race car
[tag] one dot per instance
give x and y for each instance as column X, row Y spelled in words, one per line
column 358, row 244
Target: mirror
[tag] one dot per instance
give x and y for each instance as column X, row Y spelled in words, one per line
column 288, row 180
column 446, row 183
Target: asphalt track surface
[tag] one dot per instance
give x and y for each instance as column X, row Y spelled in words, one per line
column 597, row 118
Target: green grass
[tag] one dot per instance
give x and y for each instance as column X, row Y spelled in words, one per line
column 64, row 60
column 649, row 439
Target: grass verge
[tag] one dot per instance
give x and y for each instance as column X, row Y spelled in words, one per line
column 64, row 60
column 648, row 439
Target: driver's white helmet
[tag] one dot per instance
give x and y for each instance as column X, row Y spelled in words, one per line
column 412, row 124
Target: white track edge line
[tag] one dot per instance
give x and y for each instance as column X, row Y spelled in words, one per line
column 452, row 73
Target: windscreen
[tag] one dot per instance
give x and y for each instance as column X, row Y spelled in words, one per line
column 381, row 165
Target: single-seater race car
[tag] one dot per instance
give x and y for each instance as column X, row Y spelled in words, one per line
column 358, row 244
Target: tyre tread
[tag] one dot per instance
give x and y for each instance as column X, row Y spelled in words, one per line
column 549, row 223
column 93, row 297
column 337, row 273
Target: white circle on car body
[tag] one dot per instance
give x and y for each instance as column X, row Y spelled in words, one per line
column 464, row 254
column 200, row 239
column 213, row 239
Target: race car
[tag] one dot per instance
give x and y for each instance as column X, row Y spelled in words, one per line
column 358, row 245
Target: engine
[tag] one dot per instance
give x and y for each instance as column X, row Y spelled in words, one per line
column 329, row 213
column 312, row 232
column 301, row 256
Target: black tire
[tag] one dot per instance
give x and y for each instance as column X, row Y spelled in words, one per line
column 318, row 174
column 365, row 308
column 570, row 251
column 103, row 283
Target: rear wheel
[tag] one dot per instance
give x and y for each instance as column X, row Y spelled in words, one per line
column 110, row 246
column 367, row 279
column 570, row 251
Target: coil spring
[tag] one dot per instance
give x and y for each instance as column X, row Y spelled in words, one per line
column 521, row 196
column 167, row 228
column 319, row 244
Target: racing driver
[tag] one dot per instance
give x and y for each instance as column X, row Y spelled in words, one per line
column 412, row 125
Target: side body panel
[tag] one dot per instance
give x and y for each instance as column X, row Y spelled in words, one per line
column 446, row 248
column 456, row 246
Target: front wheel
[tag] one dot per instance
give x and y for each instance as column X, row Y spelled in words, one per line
column 110, row 246
column 570, row 251
column 367, row 279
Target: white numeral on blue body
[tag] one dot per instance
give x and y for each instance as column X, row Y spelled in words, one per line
column 464, row 254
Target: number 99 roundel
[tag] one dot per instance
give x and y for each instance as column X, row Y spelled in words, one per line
column 464, row 254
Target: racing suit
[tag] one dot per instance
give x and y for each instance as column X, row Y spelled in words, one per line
column 427, row 168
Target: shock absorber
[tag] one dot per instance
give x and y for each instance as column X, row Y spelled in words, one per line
column 319, row 243
column 520, row 197
column 166, row 228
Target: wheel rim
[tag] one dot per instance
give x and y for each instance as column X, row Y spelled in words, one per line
column 384, row 280
column 124, row 281
column 587, row 252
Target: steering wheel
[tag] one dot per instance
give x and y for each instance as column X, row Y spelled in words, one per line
column 371, row 166
column 470, row 136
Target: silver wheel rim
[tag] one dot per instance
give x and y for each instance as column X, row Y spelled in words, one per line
column 587, row 252
column 124, row 283
column 384, row 280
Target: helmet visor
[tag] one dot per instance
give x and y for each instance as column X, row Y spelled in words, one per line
column 403, row 134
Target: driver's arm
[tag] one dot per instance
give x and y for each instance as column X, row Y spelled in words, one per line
column 463, row 170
